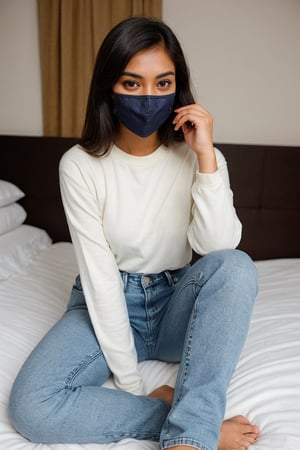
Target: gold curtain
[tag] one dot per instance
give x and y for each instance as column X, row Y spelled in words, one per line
column 70, row 33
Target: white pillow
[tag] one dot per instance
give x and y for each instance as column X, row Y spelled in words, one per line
column 11, row 217
column 19, row 247
column 9, row 193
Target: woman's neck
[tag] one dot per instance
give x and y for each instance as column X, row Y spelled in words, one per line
column 135, row 145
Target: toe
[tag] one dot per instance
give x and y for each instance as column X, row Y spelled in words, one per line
column 241, row 419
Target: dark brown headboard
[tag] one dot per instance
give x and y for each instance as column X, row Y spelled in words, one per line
column 266, row 185
column 264, row 179
column 32, row 164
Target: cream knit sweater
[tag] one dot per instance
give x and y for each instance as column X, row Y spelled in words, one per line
column 140, row 215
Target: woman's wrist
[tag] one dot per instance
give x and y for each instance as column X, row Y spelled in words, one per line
column 207, row 160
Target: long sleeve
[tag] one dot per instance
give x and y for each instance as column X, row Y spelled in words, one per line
column 214, row 224
column 100, row 276
column 99, row 197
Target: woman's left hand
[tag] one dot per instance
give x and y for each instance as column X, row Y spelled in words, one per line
column 197, row 126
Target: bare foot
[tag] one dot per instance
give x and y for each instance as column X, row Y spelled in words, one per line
column 237, row 433
column 164, row 392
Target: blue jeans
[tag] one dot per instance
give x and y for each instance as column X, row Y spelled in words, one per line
column 197, row 315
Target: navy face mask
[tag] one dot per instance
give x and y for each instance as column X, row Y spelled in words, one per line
column 143, row 114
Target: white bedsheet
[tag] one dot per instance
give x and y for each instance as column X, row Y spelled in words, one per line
column 265, row 386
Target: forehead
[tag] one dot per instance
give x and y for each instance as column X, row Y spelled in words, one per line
column 152, row 60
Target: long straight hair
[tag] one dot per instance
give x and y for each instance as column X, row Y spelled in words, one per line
column 120, row 45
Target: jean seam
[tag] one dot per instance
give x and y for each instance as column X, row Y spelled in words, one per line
column 193, row 281
column 81, row 366
column 189, row 346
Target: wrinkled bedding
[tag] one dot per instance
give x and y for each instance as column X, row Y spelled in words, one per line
column 266, row 383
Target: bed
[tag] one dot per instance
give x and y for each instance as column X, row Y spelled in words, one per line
column 37, row 269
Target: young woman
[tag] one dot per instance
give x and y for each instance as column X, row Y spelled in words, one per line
column 143, row 189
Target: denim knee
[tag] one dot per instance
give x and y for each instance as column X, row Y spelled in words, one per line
column 242, row 269
column 28, row 411
column 23, row 414
column 243, row 272
column 236, row 266
column 37, row 418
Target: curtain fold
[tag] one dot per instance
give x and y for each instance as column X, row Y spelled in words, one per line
column 70, row 33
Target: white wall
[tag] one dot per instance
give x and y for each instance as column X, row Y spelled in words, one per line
column 244, row 58
column 20, row 84
column 245, row 63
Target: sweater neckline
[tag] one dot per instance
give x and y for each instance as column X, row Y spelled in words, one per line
column 153, row 157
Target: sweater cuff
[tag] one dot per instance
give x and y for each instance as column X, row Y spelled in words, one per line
column 136, row 389
column 208, row 179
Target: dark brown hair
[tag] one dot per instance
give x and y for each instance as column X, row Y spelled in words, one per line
column 120, row 45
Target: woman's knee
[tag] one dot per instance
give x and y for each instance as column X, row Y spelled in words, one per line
column 241, row 268
column 32, row 401
column 233, row 267
column 35, row 413
column 25, row 413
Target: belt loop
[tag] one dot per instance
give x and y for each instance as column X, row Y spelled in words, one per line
column 169, row 277
column 124, row 276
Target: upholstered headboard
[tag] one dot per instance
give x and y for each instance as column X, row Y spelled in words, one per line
column 264, row 179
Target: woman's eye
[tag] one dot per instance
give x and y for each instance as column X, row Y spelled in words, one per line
column 164, row 83
column 131, row 84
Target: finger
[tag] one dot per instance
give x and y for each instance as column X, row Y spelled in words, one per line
column 187, row 127
column 188, row 116
column 196, row 119
column 192, row 107
column 189, row 112
column 196, row 110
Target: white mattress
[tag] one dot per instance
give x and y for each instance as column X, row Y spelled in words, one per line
column 265, row 386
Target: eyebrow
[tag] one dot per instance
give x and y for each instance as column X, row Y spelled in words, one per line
column 136, row 75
